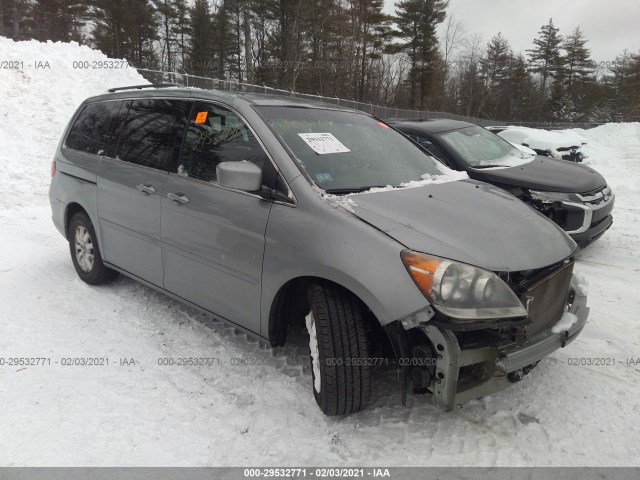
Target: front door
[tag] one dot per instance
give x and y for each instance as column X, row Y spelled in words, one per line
column 213, row 238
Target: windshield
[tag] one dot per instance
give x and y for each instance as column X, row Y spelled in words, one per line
column 347, row 152
column 479, row 148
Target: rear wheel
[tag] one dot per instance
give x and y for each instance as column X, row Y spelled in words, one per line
column 85, row 252
column 339, row 351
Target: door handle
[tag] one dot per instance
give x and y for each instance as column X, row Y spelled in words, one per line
column 146, row 188
column 178, row 197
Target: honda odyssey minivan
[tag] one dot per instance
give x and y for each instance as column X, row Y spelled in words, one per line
column 270, row 212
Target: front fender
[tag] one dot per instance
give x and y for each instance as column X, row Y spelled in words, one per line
column 318, row 240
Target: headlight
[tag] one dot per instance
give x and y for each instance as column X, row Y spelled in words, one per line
column 550, row 197
column 460, row 291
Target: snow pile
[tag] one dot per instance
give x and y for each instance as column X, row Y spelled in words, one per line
column 612, row 150
column 565, row 323
column 612, row 133
column 38, row 100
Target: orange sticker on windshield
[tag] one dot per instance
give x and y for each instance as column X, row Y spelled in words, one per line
column 383, row 125
column 201, row 117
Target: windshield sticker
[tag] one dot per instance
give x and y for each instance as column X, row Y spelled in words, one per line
column 201, row 117
column 323, row 143
column 383, row 125
column 323, row 177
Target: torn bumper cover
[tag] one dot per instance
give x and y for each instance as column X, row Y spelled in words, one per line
column 448, row 389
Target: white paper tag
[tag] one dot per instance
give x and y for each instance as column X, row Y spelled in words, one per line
column 323, row 143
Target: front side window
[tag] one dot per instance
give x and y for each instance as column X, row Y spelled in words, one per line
column 479, row 148
column 429, row 145
column 96, row 128
column 216, row 134
column 148, row 135
column 347, row 151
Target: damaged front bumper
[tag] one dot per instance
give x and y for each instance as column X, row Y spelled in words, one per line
column 501, row 366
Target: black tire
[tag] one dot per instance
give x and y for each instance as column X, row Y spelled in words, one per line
column 344, row 364
column 94, row 271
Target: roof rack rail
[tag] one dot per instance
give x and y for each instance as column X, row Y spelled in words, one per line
column 139, row 87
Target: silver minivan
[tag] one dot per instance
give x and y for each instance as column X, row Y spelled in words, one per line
column 271, row 212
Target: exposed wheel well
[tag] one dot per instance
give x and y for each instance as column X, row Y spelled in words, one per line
column 291, row 305
column 72, row 209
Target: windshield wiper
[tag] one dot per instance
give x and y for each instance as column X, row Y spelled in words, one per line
column 489, row 166
column 345, row 191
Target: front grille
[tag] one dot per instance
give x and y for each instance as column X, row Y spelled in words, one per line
column 596, row 197
column 546, row 299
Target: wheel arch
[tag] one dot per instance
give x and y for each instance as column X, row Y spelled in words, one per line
column 76, row 207
column 290, row 305
column 71, row 209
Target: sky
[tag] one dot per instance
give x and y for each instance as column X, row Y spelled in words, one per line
column 609, row 25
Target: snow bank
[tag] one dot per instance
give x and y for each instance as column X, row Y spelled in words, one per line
column 36, row 104
column 612, row 133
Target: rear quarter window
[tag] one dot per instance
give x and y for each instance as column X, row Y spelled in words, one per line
column 96, row 128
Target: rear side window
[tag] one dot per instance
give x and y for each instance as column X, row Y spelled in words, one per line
column 216, row 134
column 96, row 128
column 149, row 132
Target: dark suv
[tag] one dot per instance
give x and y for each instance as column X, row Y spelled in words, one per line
column 574, row 196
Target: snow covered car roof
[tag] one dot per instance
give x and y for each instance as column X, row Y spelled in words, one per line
column 539, row 139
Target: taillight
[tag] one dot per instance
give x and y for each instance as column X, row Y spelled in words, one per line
column 53, row 168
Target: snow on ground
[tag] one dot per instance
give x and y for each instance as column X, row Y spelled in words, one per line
column 563, row 413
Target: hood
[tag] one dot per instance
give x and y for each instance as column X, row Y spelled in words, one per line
column 468, row 221
column 547, row 174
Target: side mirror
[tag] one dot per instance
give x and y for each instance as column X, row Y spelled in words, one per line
column 242, row 175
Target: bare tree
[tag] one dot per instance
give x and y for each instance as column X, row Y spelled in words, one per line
column 453, row 35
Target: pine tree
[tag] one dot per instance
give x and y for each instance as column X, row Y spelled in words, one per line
column 372, row 30
column 416, row 21
column 495, row 64
column 545, row 57
column 58, row 20
column 494, row 68
column 125, row 29
column 578, row 65
column 624, row 83
column 201, row 53
column 521, row 91
column 560, row 106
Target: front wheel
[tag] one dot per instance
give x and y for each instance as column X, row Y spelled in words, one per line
column 85, row 252
column 340, row 360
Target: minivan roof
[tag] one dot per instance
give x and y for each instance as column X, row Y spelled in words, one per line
column 220, row 95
